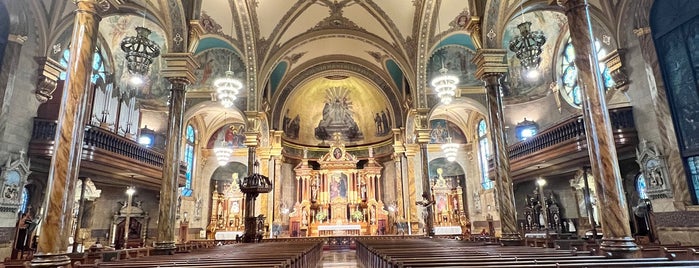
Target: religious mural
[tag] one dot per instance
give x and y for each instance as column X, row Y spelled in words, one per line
column 232, row 134
column 457, row 59
column 213, row 64
column 228, row 174
column 350, row 106
column 338, row 116
column 155, row 89
column 442, row 129
column 338, row 185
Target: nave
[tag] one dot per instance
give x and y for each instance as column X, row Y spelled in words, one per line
column 409, row 251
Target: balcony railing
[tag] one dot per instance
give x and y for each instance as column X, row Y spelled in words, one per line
column 571, row 129
column 564, row 142
column 104, row 148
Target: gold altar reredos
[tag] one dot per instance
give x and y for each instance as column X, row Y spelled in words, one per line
column 337, row 103
column 339, row 198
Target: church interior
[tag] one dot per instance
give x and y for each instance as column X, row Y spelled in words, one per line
column 128, row 124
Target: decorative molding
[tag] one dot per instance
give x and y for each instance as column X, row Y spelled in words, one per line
column 19, row 39
column 655, row 170
column 614, row 61
column 181, row 66
column 293, row 58
column 47, row 80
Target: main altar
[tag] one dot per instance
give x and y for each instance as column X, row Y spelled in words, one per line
column 339, row 198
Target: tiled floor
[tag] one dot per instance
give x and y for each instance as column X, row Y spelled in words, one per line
column 339, row 259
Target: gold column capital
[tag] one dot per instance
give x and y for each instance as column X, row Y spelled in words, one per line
column 398, row 144
column 196, row 31
column 276, row 143
column 180, row 67
column 411, row 149
column 490, row 61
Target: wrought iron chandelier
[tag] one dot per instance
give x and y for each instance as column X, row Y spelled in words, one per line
column 445, row 85
column 227, row 88
column 139, row 53
column 527, row 46
column 223, row 153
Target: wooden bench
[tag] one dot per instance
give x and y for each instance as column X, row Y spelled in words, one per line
column 287, row 254
column 451, row 253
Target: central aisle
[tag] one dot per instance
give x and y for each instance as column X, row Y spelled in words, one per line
column 345, row 258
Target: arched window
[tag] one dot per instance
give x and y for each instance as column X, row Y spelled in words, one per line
column 24, row 201
column 641, row 186
column 189, row 159
column 484, row 154
column 98, row 70
column 569, row 74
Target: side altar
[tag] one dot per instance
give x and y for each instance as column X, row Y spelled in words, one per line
column 339, row 198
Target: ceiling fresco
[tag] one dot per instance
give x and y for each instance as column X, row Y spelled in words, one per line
column 232, row 135
column 213, row 63
column 457, row 59
column 521, row 87
column 350, row 106
column 154, row 91
column 442, row 129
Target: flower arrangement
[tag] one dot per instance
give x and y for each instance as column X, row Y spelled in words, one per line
column 357, row 215
column 321, row 215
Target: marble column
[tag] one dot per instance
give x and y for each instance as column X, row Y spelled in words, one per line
column 65, row 162
column 668, row 137
column 491, row 68
column 423, row 138
column 617, row 239
column 180, row 72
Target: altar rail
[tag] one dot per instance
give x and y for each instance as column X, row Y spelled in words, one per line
column 566, row 143
column 103, row 148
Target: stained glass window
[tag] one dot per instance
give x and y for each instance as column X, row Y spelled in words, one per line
column 641, row 186
column 569, row 74
column 189, row 159
column 98, row 70
column 24, row 200
column 484, row 154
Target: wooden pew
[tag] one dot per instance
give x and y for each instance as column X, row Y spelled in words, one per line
column 450, row 253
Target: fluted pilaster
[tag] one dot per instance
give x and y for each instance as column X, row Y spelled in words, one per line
column 65, row 163
column 491, row 67
column 617, row 238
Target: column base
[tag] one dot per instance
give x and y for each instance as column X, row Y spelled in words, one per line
column 164, row 248
column 620, row 247
column 50, row 260
column 511, row 239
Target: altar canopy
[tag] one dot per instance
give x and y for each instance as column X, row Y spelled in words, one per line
column 339, row 198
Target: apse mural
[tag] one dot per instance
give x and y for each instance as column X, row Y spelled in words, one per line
column 338, row 116
column 350, row 106
column 442, row 129
column 457, row 59
column 233, row 135
column 213, row 63
column 154, row 91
